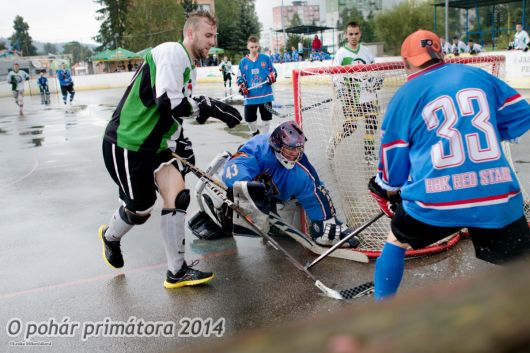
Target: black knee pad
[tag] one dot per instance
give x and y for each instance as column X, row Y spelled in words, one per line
column 133, row 218
column 182, row 201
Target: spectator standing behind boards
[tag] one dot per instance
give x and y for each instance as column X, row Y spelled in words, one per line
column 286, row 57
column 294, row 54
column 446, row 47
column 459, row 47
column 520, row 39
column 316, row 45
column 474, row 48
column 301, row 51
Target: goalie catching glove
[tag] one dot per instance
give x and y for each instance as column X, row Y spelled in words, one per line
column 331, row 231
column 387, row 203
column 209, row 107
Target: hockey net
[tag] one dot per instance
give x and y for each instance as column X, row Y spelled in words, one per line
column 340, row 110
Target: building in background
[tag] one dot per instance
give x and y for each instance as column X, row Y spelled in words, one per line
column 282, row 17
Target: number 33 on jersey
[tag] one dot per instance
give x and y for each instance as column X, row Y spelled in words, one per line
column 443, row 150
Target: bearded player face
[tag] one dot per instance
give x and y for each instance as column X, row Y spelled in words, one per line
column 203, row 38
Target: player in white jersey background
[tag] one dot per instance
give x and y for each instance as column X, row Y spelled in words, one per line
column 441, row 165
column 521, row 41
column 16, row 78
column 358, row 95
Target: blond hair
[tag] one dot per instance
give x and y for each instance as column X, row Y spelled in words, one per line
column 195, row 18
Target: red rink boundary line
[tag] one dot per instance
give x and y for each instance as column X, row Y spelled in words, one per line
column 101, row 277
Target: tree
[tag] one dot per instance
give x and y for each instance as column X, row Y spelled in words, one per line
column 294, row 39
column 189, row 6
column 394, row 25
column 149, row 25
column 114, row 17
column 21, row 40
column 50, row 48
column 78, row 51
column 2, row 45
column 354, row 15
column 237, row 20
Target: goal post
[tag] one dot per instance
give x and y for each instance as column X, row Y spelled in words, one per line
column 340, row 109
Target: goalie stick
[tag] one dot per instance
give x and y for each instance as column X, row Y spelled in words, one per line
column 351, row 293
column 345, row 239
column 298, row 236
column 276, row 221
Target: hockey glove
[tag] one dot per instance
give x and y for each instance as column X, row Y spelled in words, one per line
column 243, row 90
column 388, row 204
column 331, row 231
column 184, row 149
column 271, row 78
column 209, row 107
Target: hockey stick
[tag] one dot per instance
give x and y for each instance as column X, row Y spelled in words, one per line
column 351, row 293
column 345, row 239
column 309, row 107
column 276, row 221
column 238, row 94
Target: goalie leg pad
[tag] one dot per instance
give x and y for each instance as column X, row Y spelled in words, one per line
column 250, row 198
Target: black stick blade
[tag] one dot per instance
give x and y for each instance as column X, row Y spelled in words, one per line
column 359, row 291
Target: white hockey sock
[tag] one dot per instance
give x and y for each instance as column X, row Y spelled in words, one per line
column 117, row 227
column 173, row 235
column 265, row 127
column 253, row 126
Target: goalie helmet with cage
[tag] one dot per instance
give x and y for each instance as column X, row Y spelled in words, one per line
column 288, row 141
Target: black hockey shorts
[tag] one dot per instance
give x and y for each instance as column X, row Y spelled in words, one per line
column 134, row 173
column 67, row 89
column 227, row 77
column 492, row 245
column 251, row 112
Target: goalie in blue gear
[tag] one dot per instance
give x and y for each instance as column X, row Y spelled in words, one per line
column 268, row 169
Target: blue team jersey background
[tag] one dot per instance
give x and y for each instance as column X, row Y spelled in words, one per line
column 253, row 73
column 405, row 156
column 256, row 157
column 42, row 81
column 64, row 77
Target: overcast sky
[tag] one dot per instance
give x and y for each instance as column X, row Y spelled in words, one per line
column 52, row 20
column 67, row 20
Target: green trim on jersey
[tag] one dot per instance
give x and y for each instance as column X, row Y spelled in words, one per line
column 132, row 131
column 145, row 119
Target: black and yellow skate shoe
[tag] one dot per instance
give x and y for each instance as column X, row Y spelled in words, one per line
column 187, row 276
column 111, row 249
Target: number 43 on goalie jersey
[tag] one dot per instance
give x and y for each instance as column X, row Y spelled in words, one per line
column 441, row 146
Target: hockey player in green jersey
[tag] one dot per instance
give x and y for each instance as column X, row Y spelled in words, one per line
column 145, row 129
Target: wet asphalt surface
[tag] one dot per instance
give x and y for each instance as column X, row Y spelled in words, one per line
column 56, row 192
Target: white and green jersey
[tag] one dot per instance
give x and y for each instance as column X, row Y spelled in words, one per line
column 348, row 56
column 362, row 86
column 149, row 115
column 226, row 67
column 16, row 79
column 521, row 40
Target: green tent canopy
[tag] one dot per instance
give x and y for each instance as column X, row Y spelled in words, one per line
column 214, row 50
column 115, row 55
column 143, row 52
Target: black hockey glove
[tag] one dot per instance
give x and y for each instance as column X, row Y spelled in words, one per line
column 209, row 107
column 243, row 90
column 184, row 149
column 387, row 204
